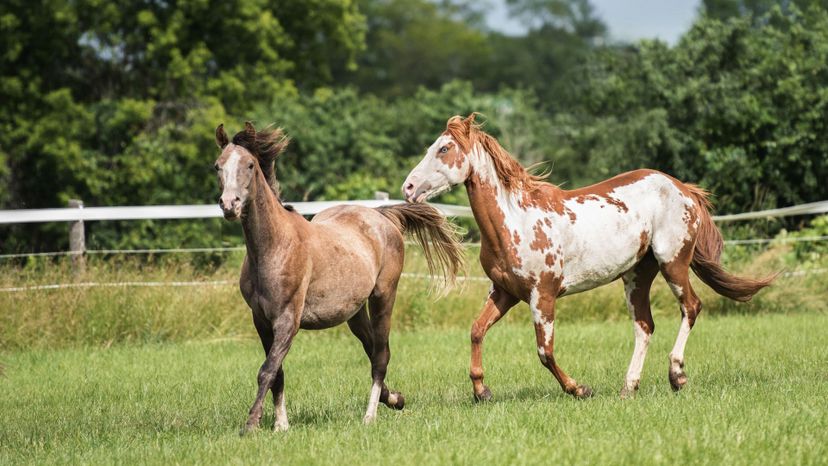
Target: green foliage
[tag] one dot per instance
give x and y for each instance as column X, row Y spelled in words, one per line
column 809, row 251
column 115, row 102
column 736, row 108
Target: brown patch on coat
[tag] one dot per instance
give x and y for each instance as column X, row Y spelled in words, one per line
column 644, row 244
column 617, row 203
column 604, row 189
column 549, row 287
column 492, row 222
column 453, row 157
column 541, row 240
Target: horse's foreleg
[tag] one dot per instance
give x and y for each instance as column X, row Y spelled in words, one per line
column 265, row 331
column 284, row 329
column 497, row 305
column 542, row 304
column 637, row 289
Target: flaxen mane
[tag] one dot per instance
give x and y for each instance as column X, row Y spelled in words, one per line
column 511, row 173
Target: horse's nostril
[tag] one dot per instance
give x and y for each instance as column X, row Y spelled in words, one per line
column 238, row 199
column 409, row 187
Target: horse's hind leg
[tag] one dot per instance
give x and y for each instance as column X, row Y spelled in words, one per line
column 637, row 289
column 677, row 274
column 360, row 326
column 380, row 305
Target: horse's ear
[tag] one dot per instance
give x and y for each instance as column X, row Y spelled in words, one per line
column 469, row 120
column 221, row 137
column 250, row 130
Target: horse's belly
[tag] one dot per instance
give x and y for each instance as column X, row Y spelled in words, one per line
column 595, row 263
column 334, row 300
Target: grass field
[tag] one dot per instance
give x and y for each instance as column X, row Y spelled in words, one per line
column 757, row 395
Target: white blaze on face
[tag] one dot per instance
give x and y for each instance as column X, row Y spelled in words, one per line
column 230, row 174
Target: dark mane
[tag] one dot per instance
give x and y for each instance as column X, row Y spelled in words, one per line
column 511, row 173
column 265, row 145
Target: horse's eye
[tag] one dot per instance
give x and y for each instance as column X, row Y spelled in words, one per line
column 250, row 167
column 216, row 166
column 444, row 149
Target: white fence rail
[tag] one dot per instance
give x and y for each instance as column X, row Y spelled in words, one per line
column 78, row 214
column 170, row 212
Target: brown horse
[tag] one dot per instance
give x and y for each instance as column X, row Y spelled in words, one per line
column 318, row 274
column 539, row 243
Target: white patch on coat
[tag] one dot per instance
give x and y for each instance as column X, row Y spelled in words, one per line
column 281, row 422
column 642, row 342
column 678, row 291
column 373, row 402
column 677, row 354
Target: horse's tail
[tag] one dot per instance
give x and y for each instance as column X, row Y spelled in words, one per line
column 438, row 237
column 706, row 262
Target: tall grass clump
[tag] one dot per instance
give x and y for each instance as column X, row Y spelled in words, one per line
column 214, row 308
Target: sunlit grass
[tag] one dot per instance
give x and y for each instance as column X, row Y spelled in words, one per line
column 756, row 396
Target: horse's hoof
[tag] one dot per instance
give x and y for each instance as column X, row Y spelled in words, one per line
column 368, row 420
column 582, row 391
column 629, row 390
column 628, row 393
column 678, row 380
column 486, row 395
column 396, row 400
column 248, row 429
column 280, row 427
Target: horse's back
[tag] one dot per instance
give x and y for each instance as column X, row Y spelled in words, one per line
column 611, row 225
column 351, row 247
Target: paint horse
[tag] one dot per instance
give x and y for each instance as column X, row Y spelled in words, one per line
column 539, row 243
column 318, row 274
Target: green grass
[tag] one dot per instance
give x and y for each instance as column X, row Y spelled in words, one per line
column 757, row 395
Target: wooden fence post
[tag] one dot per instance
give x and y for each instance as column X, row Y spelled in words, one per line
column 77, row 241
column 381, row 195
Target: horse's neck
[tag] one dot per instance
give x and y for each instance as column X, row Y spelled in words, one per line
column 268, row 227
column 489, row 201
column 500, row 213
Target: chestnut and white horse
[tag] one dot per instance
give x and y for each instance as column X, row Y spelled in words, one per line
column 539, row 243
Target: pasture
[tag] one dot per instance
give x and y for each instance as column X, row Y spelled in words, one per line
column 165, row 375
column 756, row 395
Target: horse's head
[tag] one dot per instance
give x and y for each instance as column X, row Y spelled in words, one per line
column 250, row 152
column 446, row 162
column 236, row 169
